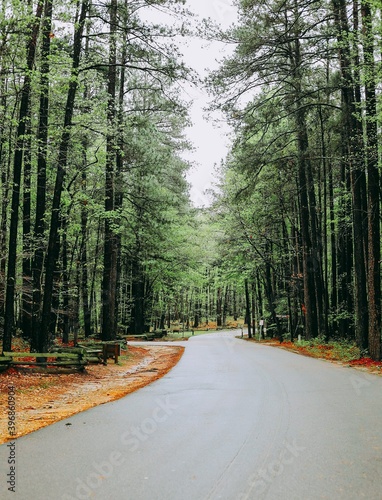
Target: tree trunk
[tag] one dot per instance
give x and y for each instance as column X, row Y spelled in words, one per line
column 374, row 236
column 311, row 329
column 27, row 278
column 225, row 305
column 109, row 281
column 352, row 145
column 359, row 197
column 219, row 307
column 65, row 283
column 9, row 314
column 248, row 308
column 42, row 137
column 254, row 308
column 84, row 266
column 310, row 260
column 333, row 250
column 5, row 168
column 59, row 184
column 138, row 299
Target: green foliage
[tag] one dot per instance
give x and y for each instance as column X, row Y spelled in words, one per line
column 342, row 350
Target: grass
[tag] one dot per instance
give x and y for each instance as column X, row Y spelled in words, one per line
column 342, row 350
column 186, row 334
column 335, row 350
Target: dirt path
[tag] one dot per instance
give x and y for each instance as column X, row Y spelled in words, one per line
column 42, row 399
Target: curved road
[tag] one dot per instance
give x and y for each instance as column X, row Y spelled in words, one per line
column 231, row 421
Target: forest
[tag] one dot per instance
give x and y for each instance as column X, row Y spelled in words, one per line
column 98, row 233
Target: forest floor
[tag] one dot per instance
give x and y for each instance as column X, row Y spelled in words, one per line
column 337, row 352
column 45, row 398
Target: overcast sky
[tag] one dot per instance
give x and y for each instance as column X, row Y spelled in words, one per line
column 211, row 143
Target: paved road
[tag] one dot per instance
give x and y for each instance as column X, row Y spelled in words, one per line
column 232, row 421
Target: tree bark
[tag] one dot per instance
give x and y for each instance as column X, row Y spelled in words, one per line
column 219, row 300
column 248, row 308
column 374, row 235
column 27, row 278
column 9, row 314
column 84, row 263
column 138, row 299
column 109, row 281
column 43, row 337
column 42, row 137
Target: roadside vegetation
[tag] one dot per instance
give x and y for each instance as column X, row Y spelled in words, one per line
column 342, row 351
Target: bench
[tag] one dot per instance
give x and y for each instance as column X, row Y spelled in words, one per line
column 158, row 334
column 5, row 362
column 143, row 336
column 112, row 350
column 100, row 352
column 93, row 352
column 45, row 359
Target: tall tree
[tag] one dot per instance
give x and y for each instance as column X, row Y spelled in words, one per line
column 109, row 284
column 9, row 316
column 50, row 263
column 42, row 137
column 374, row 232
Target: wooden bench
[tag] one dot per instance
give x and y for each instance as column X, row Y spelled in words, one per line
column 158, row 334
column 100, row 352
column 143, row 336
column 45, row 359
column 112, row 350
column 93, row 352
column 5, row 362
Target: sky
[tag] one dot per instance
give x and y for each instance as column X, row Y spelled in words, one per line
column 211, row 143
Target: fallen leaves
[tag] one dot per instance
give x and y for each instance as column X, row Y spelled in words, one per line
column 367, row 362
column 344, row 354
column 42, row 399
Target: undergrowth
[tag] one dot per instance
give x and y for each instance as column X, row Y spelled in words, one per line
column 338, row 350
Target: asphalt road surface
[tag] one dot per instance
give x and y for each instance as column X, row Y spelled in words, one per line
column 232, row 421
